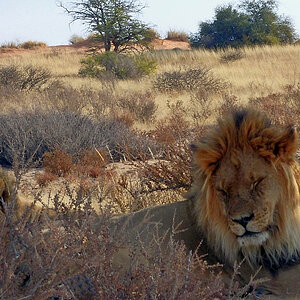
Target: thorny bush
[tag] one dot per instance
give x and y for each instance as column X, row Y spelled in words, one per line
column 24, row 78
column 139, row 104
column 26, row 136
column 188, row 80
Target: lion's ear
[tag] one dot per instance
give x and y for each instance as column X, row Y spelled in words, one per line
column 274, row 144
column 206, row 157
column 4, row 190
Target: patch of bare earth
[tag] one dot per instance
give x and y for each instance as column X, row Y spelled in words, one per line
column 83, row 47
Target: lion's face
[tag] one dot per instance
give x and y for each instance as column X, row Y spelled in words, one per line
column 248, row 189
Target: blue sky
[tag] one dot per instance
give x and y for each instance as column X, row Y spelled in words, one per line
column 42, row 20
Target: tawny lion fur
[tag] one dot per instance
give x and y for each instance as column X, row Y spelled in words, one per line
column 9, row 194
column 244, row 203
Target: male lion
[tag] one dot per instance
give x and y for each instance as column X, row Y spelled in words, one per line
column 244, row 203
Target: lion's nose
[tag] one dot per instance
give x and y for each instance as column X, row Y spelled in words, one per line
column 244, row 220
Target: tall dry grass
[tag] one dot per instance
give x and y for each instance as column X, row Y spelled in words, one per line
column 259, row 72
column 156, row 169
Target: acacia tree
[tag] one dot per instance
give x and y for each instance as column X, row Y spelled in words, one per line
column 114, row 21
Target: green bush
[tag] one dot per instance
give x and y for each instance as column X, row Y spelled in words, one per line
column 120, row 66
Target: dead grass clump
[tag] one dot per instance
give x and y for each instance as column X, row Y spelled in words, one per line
column 62, row 257
column 9, row 45
column 179, row 36
column 23, row 78
column 163, row 180
column 188, row 80
column 58, row 162
column 71, row 256
column 32, row 45
column 126, row 118
column 231, row 55
column 92, row 162
column 44, row 178
column 140, row 104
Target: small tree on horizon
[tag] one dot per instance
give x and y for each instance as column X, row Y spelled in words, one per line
column 115, row 22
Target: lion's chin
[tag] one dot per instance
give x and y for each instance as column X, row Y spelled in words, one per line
column 256, row 239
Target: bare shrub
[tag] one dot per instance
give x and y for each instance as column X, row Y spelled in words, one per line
column 71, row 256
column 201, row 106
column 74, row 39
column 163, row 180
column 60, row 96
column 64, row 97
column 282, row 107
column 140, row 104
column 180, row 36
column 26, row 136
column 73, row 263
column 23, row 78
column 188, row 80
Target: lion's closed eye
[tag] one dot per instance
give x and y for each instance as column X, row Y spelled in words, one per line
column 222, row 194
column 256, row 184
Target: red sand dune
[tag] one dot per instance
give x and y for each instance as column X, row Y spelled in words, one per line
column 84, row 46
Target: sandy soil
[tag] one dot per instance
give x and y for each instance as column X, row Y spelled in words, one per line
column 84, row 46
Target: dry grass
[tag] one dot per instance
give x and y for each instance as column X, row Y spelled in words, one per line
column 135, row 168
column 175, row 35
column 261, row 70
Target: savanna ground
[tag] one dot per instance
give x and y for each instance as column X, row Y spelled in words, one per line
column 87, row 148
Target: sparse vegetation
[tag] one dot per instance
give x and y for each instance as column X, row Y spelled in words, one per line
column 231, row 55
column 25, row 137
column 23, row 78
column 189, row 80
column 32, row 45
column 114, row 146
column 179, row 36
column 24, row 45
column 74, row 39
column 112, row 65
column 141, row 105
